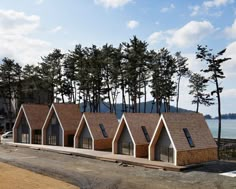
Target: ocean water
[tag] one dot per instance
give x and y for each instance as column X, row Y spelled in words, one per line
column 228, row 129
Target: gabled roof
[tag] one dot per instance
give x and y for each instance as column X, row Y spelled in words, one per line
column 35, row 114
column 69, row 115
column 197, row 127
column 136, row 120
column 108, row 120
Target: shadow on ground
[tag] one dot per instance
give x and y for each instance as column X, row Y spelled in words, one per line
column 216, row 167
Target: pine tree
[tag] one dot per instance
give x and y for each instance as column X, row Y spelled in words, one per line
column 163, row 86
column 198, row 85
column 9, row 78
column 216, row 74
column 51, row 73
column 181, row 71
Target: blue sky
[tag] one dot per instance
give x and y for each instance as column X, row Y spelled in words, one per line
column 30, row 29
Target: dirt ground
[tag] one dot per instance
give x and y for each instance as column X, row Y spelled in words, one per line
column 12, row 177
column 91, row 173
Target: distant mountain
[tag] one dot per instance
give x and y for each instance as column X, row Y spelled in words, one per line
column 119, row 112
column 227, row 116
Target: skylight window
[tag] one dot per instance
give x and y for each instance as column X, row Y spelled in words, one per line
column 103, row 130
column 189, row 138
column 146, row 133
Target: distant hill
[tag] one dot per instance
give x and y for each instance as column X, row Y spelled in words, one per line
column 227, row 116
column 119, row 112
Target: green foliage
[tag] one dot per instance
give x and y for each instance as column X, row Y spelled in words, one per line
column 198, row 86
column 163, row 68
column 10, row 85
column 181, row 71
column 216, row 73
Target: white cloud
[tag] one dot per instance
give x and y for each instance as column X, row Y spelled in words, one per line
column 231, row 31
column 112, row 3
column 229, row 67
column 132, row 24
column 39, row 2
column 15, row 28
column 204, row 8
column 166, row 9
column 216, row 3
column 155, row 37
column 56, row 29
column 190, row 34
column 194, row 64
column 13, row 22
column 229, row 93
column 186, row 36
column 195, row 10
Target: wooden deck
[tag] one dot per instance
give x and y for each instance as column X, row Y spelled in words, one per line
column 106, row 156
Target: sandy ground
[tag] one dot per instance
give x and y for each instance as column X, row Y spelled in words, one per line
column 12, row 177
column 89, row 173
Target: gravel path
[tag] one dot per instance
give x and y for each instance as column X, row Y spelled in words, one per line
column 91, row 173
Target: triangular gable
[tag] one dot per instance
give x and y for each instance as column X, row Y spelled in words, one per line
column 18, row 120
column 120, row 129
column 48, row 119
column 156, row 135
column 81, row 126
column 19, row 116
column 83, row 123
column 122, row 124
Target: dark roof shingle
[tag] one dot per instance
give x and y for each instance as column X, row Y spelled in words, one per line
column 69, row 115
column 197, row 127
column 136, row 120
column 109, row 121
column 36, row 114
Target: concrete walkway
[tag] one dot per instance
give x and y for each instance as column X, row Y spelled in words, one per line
column 105, row 156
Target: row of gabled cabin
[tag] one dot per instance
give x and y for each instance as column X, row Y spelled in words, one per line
column 178, row 138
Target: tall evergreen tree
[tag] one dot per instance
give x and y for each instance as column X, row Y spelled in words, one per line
column 10, row 73
column 216, row 74
column 198, row 85
column 181, row 71
column 162, row 84
column 51, row 73
column 136, row 57
column 74, row 72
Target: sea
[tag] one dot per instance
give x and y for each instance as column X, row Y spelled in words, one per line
column 228, row 128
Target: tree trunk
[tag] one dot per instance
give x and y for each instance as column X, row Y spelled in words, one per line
column 75, row 93
column 197, row 107
column 129, row 102
column 139, row 99
column 145, row 97
column 109, row 98
column 10, row 114
column 62, row 97
column 157, row 105
column 124, row 108
column 219, row 118
column 153, row 102
column 177, row 98
column 160, row 106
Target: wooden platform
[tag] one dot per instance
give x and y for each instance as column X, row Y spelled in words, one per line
column 124, row 160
